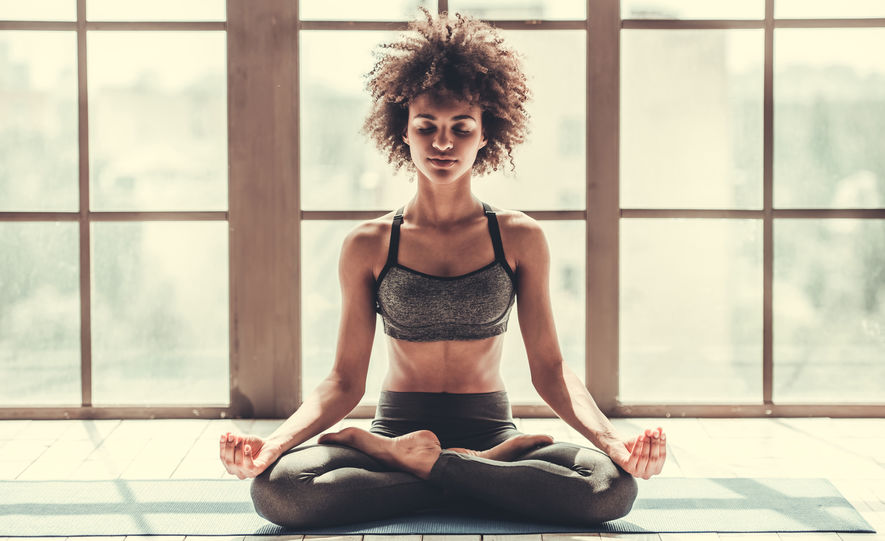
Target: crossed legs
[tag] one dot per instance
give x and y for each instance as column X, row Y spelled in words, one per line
column 354, row 475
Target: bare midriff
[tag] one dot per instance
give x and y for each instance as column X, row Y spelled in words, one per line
column 452, row 366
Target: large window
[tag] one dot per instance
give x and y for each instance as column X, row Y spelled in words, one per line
column 113, row 192
column 176, row 179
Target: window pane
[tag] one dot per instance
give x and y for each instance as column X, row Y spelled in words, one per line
column 551, row 165
column 829, row 311
column 38, row 130
column 691, row 311
column 691, row 118
column 160, row 313
column 322, row 301
column 39, row 314
column 693, row 9
column 340, row 167
column 155, row 10
column 360, row 10
column 158, row 120
column 830, row 118
column 800, row 9
column 321, row 305
column 509, row 10
column 44, row 10
column 567, row 242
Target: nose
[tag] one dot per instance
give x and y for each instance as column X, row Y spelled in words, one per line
column 442, row 141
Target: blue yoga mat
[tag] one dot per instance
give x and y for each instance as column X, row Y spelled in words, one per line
column 223, row 507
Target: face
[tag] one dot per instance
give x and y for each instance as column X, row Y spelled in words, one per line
column 443, row 137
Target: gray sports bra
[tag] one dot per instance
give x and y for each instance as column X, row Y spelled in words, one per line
column 419, row 307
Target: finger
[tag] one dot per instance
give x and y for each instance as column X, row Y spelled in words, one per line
column 221, row 452
column 663, row 452
column 229, row 450
column 633, row 463
column 654, row 460
column 238, row 451
column 655, row 451
column 643, row 461
column 248, row 460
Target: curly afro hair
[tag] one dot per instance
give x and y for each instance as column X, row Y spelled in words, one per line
column 461, row 58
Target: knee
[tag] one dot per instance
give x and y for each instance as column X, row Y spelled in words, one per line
column 276, row 499
column 617, row 490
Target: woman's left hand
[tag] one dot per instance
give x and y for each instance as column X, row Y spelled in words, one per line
column 643, row 456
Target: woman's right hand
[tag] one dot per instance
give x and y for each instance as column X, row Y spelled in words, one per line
column 247, row 456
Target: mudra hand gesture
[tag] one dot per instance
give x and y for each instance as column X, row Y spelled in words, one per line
column 643, row 456
column 246, row 456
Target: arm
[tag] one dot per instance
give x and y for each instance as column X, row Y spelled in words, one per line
column 247, row 456
column 555, row 382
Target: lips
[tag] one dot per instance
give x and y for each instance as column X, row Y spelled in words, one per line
column 442, row 162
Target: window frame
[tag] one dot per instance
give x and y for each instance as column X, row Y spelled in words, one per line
column 264, row 213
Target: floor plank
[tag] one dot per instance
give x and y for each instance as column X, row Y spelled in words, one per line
column 704, row 536
column 450, row 538
column 568, row 537
column 527, row 537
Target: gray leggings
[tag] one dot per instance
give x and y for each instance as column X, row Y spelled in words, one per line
column 324, row 485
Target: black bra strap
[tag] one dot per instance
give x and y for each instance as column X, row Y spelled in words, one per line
column 495, row 233
column 393, row 251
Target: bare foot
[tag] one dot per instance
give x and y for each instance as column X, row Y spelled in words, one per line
column 415, row 452
column 510, row 449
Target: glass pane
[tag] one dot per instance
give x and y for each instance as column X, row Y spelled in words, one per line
column 155, row 10
column 158, row 120
column 322, row 300
column 551, row 165
column 691, row 311
column 43, row 10
column 40, row 314
column 691, row 118
column 340, row 167
column 567, row 242
column 829, row 311
column 830, row 115
column 801, row 9
column 38, row 130
column 160, row 313
column 510, row 10
column 693, row 9
column 360, row 10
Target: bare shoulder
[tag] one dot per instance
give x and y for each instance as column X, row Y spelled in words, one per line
column 366, row 242
column 519, row 231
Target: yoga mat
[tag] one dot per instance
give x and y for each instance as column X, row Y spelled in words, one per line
column 223, row 507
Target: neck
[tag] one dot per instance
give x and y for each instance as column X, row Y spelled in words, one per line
column 440, row 205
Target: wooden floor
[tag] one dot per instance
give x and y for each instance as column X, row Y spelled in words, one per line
column 849, row 452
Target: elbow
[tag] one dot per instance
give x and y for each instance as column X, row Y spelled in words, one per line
column 350, row 390
column 547, row 375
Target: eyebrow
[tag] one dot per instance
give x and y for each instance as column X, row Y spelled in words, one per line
column 431, row 117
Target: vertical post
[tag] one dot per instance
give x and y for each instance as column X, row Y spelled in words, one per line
column 768, row 206
column 603, row 205
column 83, row 221
column 265, row 207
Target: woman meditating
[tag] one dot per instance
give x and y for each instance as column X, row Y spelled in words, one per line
column 444, row 272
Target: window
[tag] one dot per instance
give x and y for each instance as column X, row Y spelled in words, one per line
column 113, row 224
column 176, row 181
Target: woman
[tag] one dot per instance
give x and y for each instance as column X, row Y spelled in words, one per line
column 448, row 102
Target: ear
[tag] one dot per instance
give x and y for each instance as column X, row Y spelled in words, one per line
column 484, row 141
column 406, row 137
